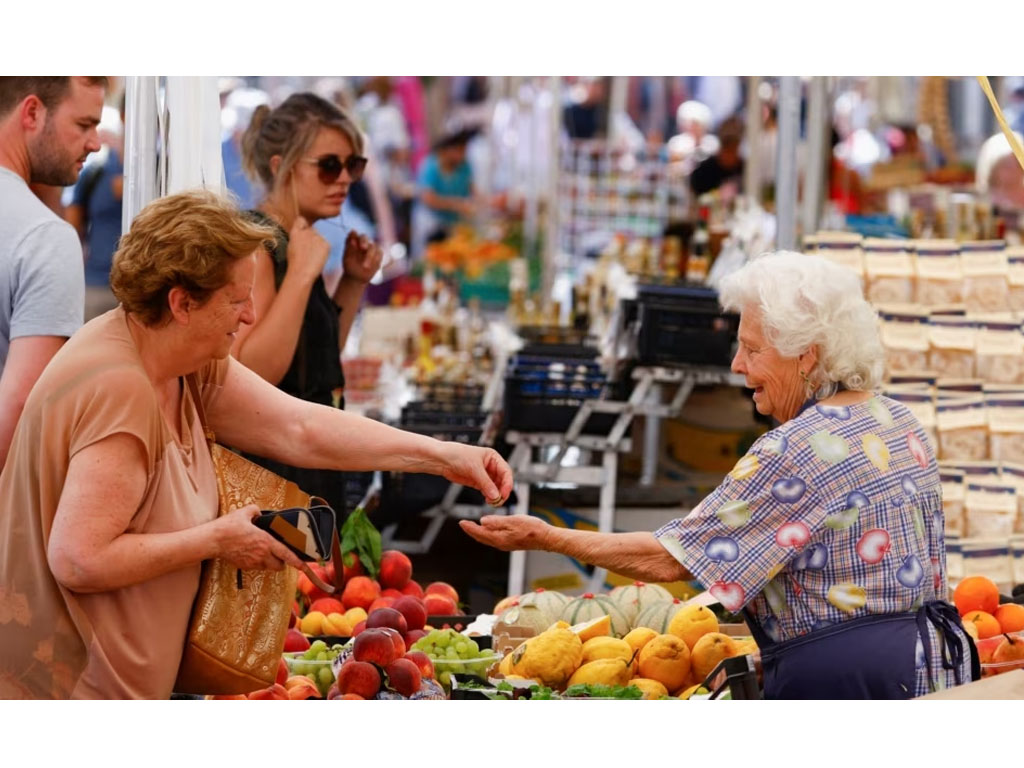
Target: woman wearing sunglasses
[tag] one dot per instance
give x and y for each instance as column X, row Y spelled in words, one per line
column 306, row 154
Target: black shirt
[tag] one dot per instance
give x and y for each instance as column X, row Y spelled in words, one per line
column 711, row 174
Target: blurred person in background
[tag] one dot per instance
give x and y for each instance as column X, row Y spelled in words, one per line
column 694, row 143
column 47, row 130
column 95, row 213
column 586, row 117
column 444, row 190
column 998, row 173
column 722, row 171
column 237, row 106
column 306, row 154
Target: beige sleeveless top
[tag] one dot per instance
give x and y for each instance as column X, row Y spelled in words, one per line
column 124, row 643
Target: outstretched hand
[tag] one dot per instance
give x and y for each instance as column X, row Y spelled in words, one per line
column 507, row 533
column 480, row 468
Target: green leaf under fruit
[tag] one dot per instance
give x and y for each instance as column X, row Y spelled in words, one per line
column 361, row 538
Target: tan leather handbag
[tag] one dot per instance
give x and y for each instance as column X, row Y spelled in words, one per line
column 239, row 618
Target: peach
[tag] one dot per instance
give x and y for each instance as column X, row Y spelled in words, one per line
column 395, row 569
column 404, row 676
column 443, row 588
column 275, row 692
column 229, row 697
column 360, row 591
column 987, row 647
column 380, row 602
column 294, row 640
column 387, row 617
column 359, row 677
column 282, row 672
column 392, row 592
column 304, row 689
column 421, row 660
column 333, row 692
column 439, row 605
column 327, row 605
column 351, row 567
column 413, row 588
column 376, row 646
column 413, row 635
column 359, row 627
column 396, row 639
column 414, row 610
column 337, row 624
column 353, row 697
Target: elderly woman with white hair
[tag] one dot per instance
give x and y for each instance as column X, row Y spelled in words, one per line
column 828, row 534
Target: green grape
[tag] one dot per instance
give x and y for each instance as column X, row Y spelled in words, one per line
column 325, row 677
column 445, row 679
column 486, row 651
column 322, row 656
column 317, row 646
column 473, row 646
column 442, row 641
column 451, row 653
column 463, row 649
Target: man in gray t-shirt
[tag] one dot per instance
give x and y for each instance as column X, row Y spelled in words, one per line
column 47, row 129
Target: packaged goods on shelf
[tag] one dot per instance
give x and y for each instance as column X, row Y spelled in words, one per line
column 1006, row 427
column 905, row 337
column 1015, row 277
column 843, row 248
column 1013, row 474
column 990, row 557
column 986, row 275
column 951, row 345
column 999, row 351
column 939, row 273
column 1017, row 552
column 888, row 271
column 990, row 510
column 953, row 491
column 962, row 429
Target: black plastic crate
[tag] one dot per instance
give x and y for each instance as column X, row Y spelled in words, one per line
column 692, row 331
column 551, row 405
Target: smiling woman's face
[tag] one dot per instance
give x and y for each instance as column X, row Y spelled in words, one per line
column 779, row 389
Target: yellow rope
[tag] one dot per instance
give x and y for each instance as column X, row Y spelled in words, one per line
column 1018, row 150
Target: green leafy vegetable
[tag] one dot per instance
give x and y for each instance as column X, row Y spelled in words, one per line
column 595, row 691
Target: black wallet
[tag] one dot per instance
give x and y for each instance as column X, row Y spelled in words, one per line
column 310, row 532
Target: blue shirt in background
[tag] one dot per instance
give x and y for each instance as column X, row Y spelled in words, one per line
column 103, row 219
column 458, row 183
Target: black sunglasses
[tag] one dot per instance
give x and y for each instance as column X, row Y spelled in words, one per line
column 329, row 167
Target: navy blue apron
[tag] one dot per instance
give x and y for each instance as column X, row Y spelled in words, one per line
column 871, row 657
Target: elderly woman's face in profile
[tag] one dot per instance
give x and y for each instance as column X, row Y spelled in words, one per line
column 779, row 389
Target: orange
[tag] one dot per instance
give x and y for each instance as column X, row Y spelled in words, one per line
column 665, row 658
column 976, row 593
column 1010, row 617
column 985, row 623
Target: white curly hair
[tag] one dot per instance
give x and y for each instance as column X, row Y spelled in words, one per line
column 806, row 300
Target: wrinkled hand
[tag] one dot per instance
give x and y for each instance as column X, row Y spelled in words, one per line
column 480, row 468
column 507, row 533
column 362, row 258
column 247, row 547
column 307, row 251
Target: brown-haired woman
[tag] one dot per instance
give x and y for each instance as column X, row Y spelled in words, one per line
column 108, row 501
column 305, row 153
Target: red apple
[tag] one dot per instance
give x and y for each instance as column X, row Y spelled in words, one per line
column 294, row 640
column 414, row 610
column 360, row 591
column 387, row 617
column 439, row 605
column 421, row 660
column 404, row 676
column 413, row 635
column 442, row 588
column 376, row 647
column 395, row 569
column 359, row 677
column 413, row 588
column 380, row 602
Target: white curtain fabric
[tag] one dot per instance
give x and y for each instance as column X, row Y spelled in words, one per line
column 193, row 135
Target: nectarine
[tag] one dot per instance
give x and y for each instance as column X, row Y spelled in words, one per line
column 275, row 692
column 443, row 588
column 404, row 676
column 421, row 660
column 396, row 639
column 414, row 610
column 413, row 588
column 282, row 672
column 439, row 605
column 360, row 591
column 395, row 569
column 375, row 646
column 294, row 640
column 327, row 605
column 359, row 677
column 380, row 602
column 387, row 617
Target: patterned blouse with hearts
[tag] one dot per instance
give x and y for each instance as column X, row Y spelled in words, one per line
column 834, row 515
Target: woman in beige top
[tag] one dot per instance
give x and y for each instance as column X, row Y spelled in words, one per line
column 108, row 501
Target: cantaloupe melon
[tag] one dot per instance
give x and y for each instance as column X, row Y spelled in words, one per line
column 635, row 597
column 550, row 602
column 591, row 606
column 526, row 616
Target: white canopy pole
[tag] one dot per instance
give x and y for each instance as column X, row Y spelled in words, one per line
column 817, row 148
column 140, row 147
column 785, row 169
column 193, row 135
